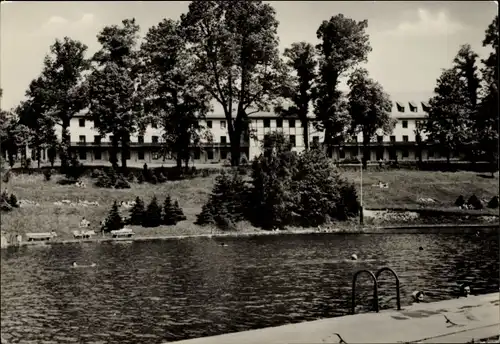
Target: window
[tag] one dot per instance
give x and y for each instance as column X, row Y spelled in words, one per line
column 223, row 124
column 355, row 138
column 81, row 122
column 209, row 124
column 223, row 155
column 154, row 139
column 292, row 140
column 279, row 123
column 97, row 139
column 291, row 123
column 267, row 123
column 380, row 138
column 266, row 141
column 210, row 155
column 431, row 153
column 127, row 155
column 223, row 139
column 405, row 138
column 197, row 154
column 140, row 155
column 316, row 140
column 154, row 125
column 342, row 154
column 392, row 138
column 97, row 154
column 405, row 124
column 140, row 139
column 82, row 139
column 405, row 153
column 83, row 154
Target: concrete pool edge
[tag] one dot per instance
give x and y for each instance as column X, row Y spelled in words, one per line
column 450, row 321
column 412, row 229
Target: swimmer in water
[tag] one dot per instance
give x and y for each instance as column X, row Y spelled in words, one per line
column 354, row 257
column 464, row 290
column 74, row 264
column 420, row 248
column 222, row 244
column 418, row 296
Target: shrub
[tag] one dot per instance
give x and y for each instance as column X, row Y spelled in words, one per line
column 140, row 178
column 178, row 213
column 168, row 217
column 493, row 203
column 121, row 183
column 114, row 221
column 6, row 176
column 460, row 201
column 75, row 170
column 47, row 174
column 152, row 216
column 5, row 202
column 26, row 163
column 161, row 178
column 137, row 212
column 131, row 177
column 51, row 154
column 475, row 202
column 103, row 181
column 153, row 179
column 96, row 173
column 13, row 201
column 243, row 160
column 146, row 173
column 112, row 176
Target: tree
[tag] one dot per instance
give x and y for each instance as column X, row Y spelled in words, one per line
column 168, row 212
column 137, row 212
column 59, row 90
column 344, row 44
column 236, row 47
column 486, row 124
column 13, row 135
column 114, row 221
column 31, row 113
column 176, row 97
column 178, row 213
column 369, row 108
column 271, row 197
column 152, row 216
column 114, row 88
column 449, row 114
column 302, row 62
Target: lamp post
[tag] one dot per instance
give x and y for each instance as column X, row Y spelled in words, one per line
column 361, row 194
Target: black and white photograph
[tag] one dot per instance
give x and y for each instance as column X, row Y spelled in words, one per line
column 249, row 172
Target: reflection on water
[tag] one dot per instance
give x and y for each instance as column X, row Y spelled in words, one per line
column 151, row 292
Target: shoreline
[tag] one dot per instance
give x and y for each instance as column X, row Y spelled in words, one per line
column 401, row 229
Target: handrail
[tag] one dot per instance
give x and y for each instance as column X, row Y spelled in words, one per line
column 398, row 296
column 375, row 290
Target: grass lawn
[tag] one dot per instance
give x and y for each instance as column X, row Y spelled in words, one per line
column 405, row 188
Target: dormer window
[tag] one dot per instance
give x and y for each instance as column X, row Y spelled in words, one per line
column 400, row 107
column 413, row 107
column 425, row 106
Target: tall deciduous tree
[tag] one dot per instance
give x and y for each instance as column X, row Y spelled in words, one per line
column 60, row 87
column 449, row 115
column 176, row 97
column 486, row 125
column 301, row 62
column 344, row 44
column 369, row 108
column 236, row 46
column 114, row 88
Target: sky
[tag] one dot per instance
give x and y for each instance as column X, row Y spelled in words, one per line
column 412, row 41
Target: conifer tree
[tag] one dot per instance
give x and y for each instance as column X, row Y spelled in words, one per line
column 152, row 217
column 137, row 212
column 178, row 213
column 168, row 212
column 206, row 217
column 114, row 221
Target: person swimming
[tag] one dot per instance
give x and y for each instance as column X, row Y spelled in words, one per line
column 74, row 264
column 420, row 248
column 464, row 290
column 418, row 296
column 354, row 256
column 223, row 244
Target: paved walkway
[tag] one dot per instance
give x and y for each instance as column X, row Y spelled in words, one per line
column 452, row 321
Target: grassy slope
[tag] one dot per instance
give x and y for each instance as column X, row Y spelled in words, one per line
column 405, row 187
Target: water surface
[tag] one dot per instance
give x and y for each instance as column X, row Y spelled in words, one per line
column 157, row 291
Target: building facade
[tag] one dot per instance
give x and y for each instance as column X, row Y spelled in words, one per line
column 402, row 144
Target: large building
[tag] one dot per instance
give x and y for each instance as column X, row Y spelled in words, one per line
column 401, row 144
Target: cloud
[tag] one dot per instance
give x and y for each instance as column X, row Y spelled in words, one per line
column 427, row 24
column 55, row 24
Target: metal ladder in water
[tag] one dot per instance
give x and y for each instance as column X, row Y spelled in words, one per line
column 375, row 288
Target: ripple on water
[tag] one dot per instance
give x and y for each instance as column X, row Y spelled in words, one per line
column 153, row 292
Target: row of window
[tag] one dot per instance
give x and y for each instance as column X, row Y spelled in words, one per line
column 97, row 139
column 267, row 123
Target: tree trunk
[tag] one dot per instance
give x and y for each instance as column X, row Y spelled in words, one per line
column 38, row 156
column 178, row 158
column 125, row 149
column 113, row 153
column 66, row 144
column 235, row 148
column 366, row 150
column 305, row 128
